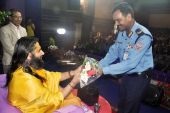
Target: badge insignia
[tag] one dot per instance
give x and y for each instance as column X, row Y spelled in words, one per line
column 129, row 46
column 125, row 56
column 138, row 46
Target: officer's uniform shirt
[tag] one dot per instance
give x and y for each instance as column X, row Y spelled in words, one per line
column 134, row 57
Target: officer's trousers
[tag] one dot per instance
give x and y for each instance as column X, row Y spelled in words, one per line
column 131, row 92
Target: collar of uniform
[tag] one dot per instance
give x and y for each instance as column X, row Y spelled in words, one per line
column 134, row 27
column 14, row 26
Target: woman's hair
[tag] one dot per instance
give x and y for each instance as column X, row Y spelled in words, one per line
column 23, row 47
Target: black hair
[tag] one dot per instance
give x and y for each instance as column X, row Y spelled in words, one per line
column 124, row 7
column 23, row 47
column 12, row 11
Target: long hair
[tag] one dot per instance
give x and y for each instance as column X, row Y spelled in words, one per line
column 23, row 47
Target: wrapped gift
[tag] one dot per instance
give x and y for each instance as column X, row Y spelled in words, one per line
column 88, row 74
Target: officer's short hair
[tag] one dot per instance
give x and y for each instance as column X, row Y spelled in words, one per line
column 124, row 7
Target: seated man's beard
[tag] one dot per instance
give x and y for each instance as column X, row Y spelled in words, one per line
column 36, row 63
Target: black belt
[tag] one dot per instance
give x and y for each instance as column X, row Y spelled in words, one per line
column 147, row 74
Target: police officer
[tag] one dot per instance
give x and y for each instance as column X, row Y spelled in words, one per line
column 134, row 50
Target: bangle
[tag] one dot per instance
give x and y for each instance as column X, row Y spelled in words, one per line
column 71, row 85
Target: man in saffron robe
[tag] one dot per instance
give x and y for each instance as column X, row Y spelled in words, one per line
column 33, row 89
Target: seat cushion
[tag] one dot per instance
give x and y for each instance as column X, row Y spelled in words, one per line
column 70, row 109
column 5, row 107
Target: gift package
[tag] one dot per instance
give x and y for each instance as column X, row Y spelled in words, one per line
column 88, row 73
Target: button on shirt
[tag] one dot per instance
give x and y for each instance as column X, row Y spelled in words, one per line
column 17, row 30
column 134, row 57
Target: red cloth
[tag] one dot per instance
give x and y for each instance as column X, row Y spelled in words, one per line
column 104, row 105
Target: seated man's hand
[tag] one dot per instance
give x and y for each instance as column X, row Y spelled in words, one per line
column 76, row 75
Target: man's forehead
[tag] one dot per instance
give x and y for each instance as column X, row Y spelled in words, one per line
column 16, row 13
column 117, row 14
column 37, row 46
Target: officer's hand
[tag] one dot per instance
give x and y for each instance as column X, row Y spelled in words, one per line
column 99, row 71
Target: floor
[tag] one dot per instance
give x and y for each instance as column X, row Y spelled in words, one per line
column 109, row 89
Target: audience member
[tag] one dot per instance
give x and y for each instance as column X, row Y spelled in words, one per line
column 9, row 34
column 30, row 27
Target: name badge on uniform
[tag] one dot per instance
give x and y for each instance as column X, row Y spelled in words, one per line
column 125, row 56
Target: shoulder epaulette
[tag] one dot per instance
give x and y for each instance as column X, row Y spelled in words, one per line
column 139, row 32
